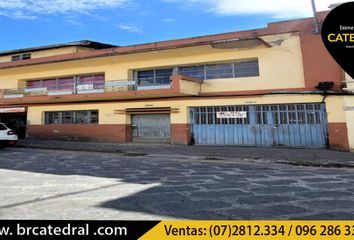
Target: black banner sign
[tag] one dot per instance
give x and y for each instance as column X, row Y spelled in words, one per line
column 338, row 35
column 40, row 229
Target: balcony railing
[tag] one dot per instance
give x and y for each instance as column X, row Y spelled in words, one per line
column 109, row 86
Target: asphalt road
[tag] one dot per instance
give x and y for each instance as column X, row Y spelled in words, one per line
column 57, row 184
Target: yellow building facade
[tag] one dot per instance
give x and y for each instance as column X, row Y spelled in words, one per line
column 275, row 86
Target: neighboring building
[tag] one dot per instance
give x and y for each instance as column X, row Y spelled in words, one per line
column 248, row 88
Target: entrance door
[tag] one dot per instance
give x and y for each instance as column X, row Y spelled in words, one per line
column 151, row 128
column 291, row 125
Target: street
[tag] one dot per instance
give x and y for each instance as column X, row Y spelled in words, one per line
column 61, row 184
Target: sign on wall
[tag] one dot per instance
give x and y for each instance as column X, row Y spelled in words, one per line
column 349, row 108
column 83, row 87
column 12, row 110
column 232, row 114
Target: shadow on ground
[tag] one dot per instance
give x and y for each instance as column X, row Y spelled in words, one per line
column 204, row 190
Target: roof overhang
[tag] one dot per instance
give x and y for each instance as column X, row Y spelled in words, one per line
column 239, row 43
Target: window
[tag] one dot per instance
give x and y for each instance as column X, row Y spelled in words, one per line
column 21, row 57
column 261, row 114
column 208, row 115
column 2, row 127
column 68, row 83
column 247, row 68
column 97, row 81
column 193, row 71
column 154, row 77
column 215, row 71
column 289, row 114
column 72, row 117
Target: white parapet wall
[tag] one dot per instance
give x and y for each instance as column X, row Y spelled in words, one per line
column 349, row 82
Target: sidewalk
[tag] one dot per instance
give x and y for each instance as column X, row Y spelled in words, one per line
column 305, row 157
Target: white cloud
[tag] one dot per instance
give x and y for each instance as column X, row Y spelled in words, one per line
column 130, row 27
column 31, row 9
column 169, row 20
column 274, row 8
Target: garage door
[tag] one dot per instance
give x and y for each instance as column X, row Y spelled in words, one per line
column 151, row 128
column 291, row 125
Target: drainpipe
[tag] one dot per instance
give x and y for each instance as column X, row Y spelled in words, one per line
column 317, row 22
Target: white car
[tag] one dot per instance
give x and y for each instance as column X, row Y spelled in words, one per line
column 7, row 136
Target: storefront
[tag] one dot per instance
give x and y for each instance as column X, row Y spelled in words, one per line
column 15, row 118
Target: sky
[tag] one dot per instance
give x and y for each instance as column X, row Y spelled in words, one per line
column 29, row 23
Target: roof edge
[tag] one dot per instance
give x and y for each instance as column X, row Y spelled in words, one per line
column 82, row 43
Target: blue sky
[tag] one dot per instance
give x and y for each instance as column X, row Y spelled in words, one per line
column 28, row 23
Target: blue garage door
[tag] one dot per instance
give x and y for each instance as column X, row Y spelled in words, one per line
column 291, row 125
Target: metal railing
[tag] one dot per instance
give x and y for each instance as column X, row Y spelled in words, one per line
column 108, row 86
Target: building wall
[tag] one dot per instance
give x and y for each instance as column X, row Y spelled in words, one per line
column 338, row 120
column 349, row 112
column 319, row 66
column 296, row 60
column 47, row 53
column 280, row 66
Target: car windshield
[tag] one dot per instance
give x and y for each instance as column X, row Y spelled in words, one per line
column 2, row 127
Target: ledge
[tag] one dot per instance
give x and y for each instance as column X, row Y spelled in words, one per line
column 180, row 86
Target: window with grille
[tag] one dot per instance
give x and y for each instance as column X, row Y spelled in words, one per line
column 71, row 117
column 193, row 71
column 247, row 68
column 208, row 115
column 154, row 77
column 289, row 114
column 68, row 83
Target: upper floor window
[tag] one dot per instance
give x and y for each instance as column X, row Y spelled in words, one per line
column 161, row 76
column 97, row 81
column 154, row 77
column 246, row 68
column 93, row 81
column 21, row 57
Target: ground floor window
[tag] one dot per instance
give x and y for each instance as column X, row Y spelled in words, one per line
column 71, row 117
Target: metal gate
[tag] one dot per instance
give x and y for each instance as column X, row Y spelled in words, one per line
column 151, row 128
column 291, row 125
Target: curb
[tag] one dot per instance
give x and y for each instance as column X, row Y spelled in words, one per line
column 195, row 157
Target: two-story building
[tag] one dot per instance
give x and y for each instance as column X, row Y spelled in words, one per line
column 274, row 86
